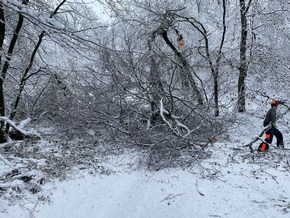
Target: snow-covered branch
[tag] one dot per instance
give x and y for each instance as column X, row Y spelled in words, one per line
column 13, row 125
column 20, row 127
column 49, row 24
column 176, row 122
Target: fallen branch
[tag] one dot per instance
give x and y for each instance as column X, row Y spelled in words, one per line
column 281, row 102
column 19, row 129
column 199, row 192
column 176, row 123
column 5, row 161
column 13, row 125
column 171, row 196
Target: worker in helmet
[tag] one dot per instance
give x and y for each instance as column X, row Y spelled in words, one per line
column 270, row 120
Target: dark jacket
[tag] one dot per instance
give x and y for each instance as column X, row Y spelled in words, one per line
column 270, row 117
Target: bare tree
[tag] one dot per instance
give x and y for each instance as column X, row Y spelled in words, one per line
column 2, row 29
column 2, row 37
column 55, row 28
column 8, row 59
column 186, row 70
column 268, row 42
column 156, row 86
column 161, row 74
column 28, row 68
column 243, row 68
column 187, row 81
column 214, row 65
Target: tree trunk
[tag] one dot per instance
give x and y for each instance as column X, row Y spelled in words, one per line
column 2, row 36
column 24, row 76
column 216, row 94
column 243, row 68
column 23, row 79
column 7, row 63
column 185, row 69
column 8, row 59
column 157, row 91
column 2, row 29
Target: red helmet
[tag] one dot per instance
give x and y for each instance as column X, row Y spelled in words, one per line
column 274, row 103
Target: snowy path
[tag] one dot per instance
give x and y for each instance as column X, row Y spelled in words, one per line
column 169, row 195
column 236, row 189
column 133, row 195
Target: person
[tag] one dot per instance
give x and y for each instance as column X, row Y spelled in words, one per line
column 270, row 121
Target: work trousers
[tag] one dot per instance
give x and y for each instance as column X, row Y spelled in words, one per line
column 273, row 131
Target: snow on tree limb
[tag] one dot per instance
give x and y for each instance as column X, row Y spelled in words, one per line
column 20, row 126
column 48, row 23
column 12, row 124
column 176, row 123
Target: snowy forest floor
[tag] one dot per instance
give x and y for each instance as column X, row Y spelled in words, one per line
column 232, row 182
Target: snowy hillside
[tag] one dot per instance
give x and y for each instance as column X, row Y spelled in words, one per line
column 233, row 182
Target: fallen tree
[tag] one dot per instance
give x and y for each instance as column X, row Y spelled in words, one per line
column 16, row 132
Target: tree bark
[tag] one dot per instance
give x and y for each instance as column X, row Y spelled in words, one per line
column 185, row 69
column 8, row 59
column 157, row 91
column 2, row 29
column 2, row 37
column 243, row 68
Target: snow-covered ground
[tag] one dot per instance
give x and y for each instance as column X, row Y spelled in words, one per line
column 232, row 183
